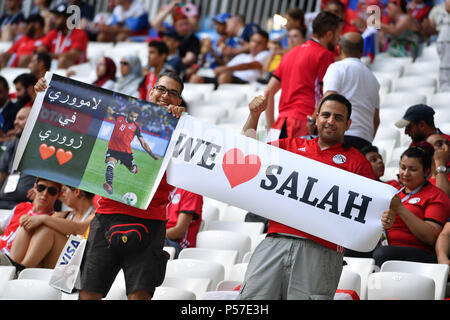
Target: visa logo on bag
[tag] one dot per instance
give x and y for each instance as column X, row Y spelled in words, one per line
column 69, row 252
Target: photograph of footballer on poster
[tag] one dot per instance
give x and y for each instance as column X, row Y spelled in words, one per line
column 96, row 140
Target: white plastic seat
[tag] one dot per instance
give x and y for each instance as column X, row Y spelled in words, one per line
column 224, row 239
column 386, row 145
column 385, row 132
column 36, row 273
column 421, row 68
column 210, row 111
column 396, row 154
column 227, row 258
column 233, row 213
column 350, row 280
column 196, row 285
column 400, row 286
column 228, row 97
column 219, row 204
column 401, row 101
column 169, row 293
column 210, row 211
column 238, row 271
column 192, row 96
column 440, row 100
column 441, row 117
column 194, row 268
column 227, row 285
column 387, row 66
column 6, row 273
column 390, row 173
column 435, row 271
column 364, row 267
column 205, row 88
column 248, row 89
column 170, row 251
column 118, row 289
column 411, row 83
column 252, row 229
column 29, row 289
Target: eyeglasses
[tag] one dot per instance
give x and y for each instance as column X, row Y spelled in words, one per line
column 172, row 93
column 124, row 63
column 51, row 190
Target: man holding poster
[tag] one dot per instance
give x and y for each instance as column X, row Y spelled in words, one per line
column 119, row 146
column 143, row 262
column 290, row 263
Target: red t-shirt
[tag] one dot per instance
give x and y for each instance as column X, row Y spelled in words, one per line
column 24, row 46
column 57, row 42
column 183, row 201
column 354, row 162
column 24, row 208
column 123, row 134
column 148, row 83
column 429, row 204
column 156, row 209
column 301, row 73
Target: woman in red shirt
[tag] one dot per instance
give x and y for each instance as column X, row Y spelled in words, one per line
column 423, row 214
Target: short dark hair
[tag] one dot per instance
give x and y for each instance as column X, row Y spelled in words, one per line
column 5, row 83
column 25, row 79
column 160, row 46
column 262, row 33
column 422, row 150
column 324, row 22
column 339, row 98
column 301, row 30
column 134, row 109
column 337, row 3
column 350, row 48
column 296, row 14
column 45, row 58
column 173, row 75
column 36, row 18
column 369, row 148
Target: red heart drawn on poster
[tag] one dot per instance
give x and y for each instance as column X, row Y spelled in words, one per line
column 46, row 151
column 63, row 156
column 238, row 169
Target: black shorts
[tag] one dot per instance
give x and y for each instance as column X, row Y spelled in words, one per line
column 143, row 270
column 125, row 158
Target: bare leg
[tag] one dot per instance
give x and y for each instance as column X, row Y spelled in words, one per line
column 139, row 295
column 225, row 77
column 20, row 244
column 86, row 295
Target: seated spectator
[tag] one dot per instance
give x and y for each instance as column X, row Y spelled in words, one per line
column 39, row 240
column 42, row 8
column 440, row 173
column 14, row 185
column 106, row 73
column 243, row 68
column 239, row 34
column 129, row 18
column 442, row 246
column 40, row 63
column 338, row 8
column 376, row 160
column 172, row 41
column 10, row 22
column 8, row 109
column 67, row 46
column 101, row 21
column 184, row 218
column 401, row 38
column 19, row 55
column 46, row 194
column 157, row 55
column 130, row 76
column 25, row 93
column 418, row 9
column 421, row 216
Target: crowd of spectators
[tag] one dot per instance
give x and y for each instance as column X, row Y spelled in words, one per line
column 326, row 46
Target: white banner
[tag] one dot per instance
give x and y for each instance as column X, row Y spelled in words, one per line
column 330, row 203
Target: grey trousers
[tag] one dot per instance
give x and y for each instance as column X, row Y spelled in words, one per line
column 283, row 268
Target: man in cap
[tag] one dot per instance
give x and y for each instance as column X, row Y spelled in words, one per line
column 418, row 122
column 65, row 43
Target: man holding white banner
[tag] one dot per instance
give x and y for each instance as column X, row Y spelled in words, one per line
column 290, row 263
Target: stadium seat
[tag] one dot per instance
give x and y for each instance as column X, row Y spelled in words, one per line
column 422, row 68
column 440, row 100
column 435, row 271
column 36, row 273
column 6, row 273
column 364, row 267
column 192, row 96
column 210, row 211
column 196, row 285
column 227, row 258
column 394, row 69
column 29, row 289
column 229, row 97
column 400, row 286
column 429, row 53
column 237, row 116
column 386, row 146
column 390, row 173
column 219, row 204
column 441, row 117
column 170, row 251
column 350, row 280
column 208, row 111
column 233, row 213
column 10, row 74
column 194, row 268
column 225, row 239
column 401, row 101
column 169, row 293
column 238, row 271
column 118, row 289
column 252, row 229
column 205, row 88
column 396, row 153
column 227, row 285
column 412, row 83
column 248, row 89
column 388, row 132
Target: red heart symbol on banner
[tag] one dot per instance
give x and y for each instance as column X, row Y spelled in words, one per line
column 46, row 151
column 63, row 156
column 238, row 169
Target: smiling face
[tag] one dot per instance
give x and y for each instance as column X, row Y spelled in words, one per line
column 166, row 92
column 412, row 173
column 332, row 122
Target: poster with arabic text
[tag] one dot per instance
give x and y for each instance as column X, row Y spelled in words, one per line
column 96, row 140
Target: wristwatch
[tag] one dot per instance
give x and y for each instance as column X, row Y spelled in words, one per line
column 441, row 169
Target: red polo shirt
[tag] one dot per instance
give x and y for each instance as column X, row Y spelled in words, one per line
column 354, row 162
column 57, row 42
column 24, row 46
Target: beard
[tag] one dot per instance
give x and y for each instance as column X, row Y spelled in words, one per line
column 23, row 100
